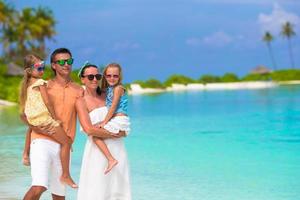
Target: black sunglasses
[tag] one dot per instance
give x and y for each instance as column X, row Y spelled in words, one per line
column 92, row 76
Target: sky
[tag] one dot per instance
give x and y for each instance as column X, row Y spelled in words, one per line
column 159, row 38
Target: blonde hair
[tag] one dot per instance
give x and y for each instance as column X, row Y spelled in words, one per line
column 29, row 60
column 104, row 83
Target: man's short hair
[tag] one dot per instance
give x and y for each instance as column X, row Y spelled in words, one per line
column 58, row 51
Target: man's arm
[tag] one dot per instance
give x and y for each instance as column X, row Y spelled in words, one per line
column 86, row 123
column 38, row 129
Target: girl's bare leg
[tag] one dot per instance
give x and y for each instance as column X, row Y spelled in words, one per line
column 111, row 160
column 25, row 158
column 65, row 142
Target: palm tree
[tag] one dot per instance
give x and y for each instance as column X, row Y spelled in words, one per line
column 268, row 38
column 7, row 16
column 288, row 32
column 45, row 23
column 25, row 29
column 4, row 12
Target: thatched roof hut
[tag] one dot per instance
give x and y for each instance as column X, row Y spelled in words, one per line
column 14, row 70
column 261, row 70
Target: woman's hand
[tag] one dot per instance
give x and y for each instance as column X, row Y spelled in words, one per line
column 120, row 134
column 102, row 124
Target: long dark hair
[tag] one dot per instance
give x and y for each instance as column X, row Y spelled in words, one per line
column 81, row 73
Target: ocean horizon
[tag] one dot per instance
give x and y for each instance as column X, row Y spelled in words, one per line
column 190, row 145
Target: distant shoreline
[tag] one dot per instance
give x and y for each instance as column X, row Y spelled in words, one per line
column 137, row 89
column 6, row 103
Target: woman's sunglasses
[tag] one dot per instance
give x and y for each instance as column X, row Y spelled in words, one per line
column 39, row 66
column 92, row 76
column 63, row 62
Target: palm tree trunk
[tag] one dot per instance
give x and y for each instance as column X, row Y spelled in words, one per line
column 272, row 56
column 291, row 53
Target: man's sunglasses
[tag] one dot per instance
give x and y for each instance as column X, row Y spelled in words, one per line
column 63, row 62
column 39, row 66
column 92, row 76
column 111, row 76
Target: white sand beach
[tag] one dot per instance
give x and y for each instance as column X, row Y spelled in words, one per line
column 137, row 89
column 6, row 103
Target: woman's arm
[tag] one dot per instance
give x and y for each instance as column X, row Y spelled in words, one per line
column 45, row 96
column 86, row 123
column 118, row 92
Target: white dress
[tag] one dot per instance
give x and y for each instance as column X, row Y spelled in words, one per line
column 93, row 183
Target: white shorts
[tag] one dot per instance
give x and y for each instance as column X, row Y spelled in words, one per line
column 118, row 123
column 45, row 162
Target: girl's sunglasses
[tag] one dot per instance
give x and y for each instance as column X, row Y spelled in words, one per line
column 39, row 66
column 92, row 76
column 63, row 62
column 111, row 76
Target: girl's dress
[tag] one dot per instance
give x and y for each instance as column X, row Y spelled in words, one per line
column 117, row 123
column 35, row 109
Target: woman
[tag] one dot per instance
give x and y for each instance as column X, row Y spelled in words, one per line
column 93, row 183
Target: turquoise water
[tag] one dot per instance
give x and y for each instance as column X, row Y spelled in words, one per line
column 229, row 145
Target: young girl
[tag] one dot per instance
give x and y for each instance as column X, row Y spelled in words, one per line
column 116, row 100
column 34, row 103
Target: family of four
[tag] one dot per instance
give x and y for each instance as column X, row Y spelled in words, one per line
column 50, row 109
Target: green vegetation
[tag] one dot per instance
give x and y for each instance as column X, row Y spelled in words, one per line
column 288, row 32
column 24, row 31
column 257, row 77
column 268, row 38
column 286, row 75
column 180, row 79
column 151, row 83
column 10, row 84
column 229, row 77
column 207, row 78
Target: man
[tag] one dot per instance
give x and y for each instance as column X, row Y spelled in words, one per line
column 45, row 151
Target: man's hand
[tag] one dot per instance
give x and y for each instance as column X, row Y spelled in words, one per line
column 24, row 118
column 46, row 130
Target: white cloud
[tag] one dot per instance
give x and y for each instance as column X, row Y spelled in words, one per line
column 125, row 45
column 217, row 39
column 273, row 22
